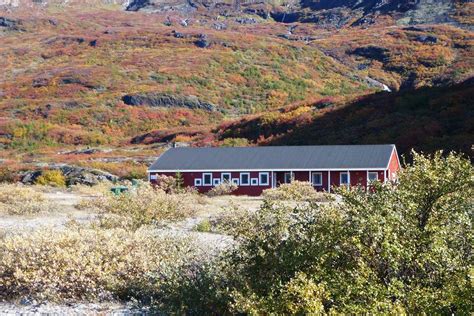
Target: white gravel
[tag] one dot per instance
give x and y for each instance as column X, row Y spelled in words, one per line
column 34, row 309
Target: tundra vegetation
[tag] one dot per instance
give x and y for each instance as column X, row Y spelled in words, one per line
column 403, row 248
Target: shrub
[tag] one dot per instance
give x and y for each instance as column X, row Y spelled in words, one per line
column 172, row 184
column 143, row 205
column 294, row 191
column 53, row 178
column 204, row 226
column 89, row 264
column 6, row 175
column 402, row 249
column 16, row 199
column 223, row 188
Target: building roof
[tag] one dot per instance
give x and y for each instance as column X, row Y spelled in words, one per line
column 274, row 158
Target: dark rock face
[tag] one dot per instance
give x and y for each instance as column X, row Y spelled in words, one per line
column 65, row 40
column 427, row 39
column 183, row 6
column 202, row 41
column 74, row 175
column 167, row 101
column 372, row 52
column 366, row 5
column 10, row 24
column 40, row 82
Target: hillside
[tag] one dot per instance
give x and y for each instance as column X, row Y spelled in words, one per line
column 125, row 78
column 427, row 119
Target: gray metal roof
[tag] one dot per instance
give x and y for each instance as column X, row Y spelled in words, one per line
column 274, row 158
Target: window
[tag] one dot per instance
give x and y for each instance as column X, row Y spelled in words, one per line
column 225, row 177
column 264, row 178
column 216, row 181
column 244, row 178
column 197, row 182
column 317, row 179
column 207, row 179
column 254, row 181
column 344, row 178
column 153, row 177
column 289, row 176
column 235, row 181
column 373, row 176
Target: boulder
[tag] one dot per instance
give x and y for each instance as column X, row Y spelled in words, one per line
column 202, row 41
column 165, row 100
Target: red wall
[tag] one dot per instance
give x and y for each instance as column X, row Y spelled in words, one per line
column 393, row 166
column 356, row 178
column 252, row 190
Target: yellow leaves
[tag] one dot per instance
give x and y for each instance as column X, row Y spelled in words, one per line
column 51, row 177
column 84, row 264
column 17, row 199
column 276, row 98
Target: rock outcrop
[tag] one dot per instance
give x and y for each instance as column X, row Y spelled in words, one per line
column 74, row 175
column 165, row 100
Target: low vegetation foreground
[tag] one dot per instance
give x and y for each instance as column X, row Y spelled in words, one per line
column 396, row 248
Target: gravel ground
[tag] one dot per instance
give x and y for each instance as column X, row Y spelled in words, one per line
column 114, row 309
column 210, row 243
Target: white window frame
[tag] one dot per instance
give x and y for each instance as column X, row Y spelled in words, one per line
column 153, row 177
column 216, row 181
column 348, row 178
column 248, row 177
column 320, row 183
column 204, row 181
column 235, row 181
column 292, row 177
column 260, row 178
column 254, row 181
column 226, row 174
column 376, row 176
column 197, row 182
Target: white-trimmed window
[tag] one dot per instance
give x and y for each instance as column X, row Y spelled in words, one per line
column 317, row 179
column 207, row 179
column 264, row 178
column 197, row 182
column 254, row 181
column 288, row 177
column 153, row 177
column 373, row 176
column 216, row 181
column 245, row 178
column 344, row 178
column 235, row 181
column 225, row 177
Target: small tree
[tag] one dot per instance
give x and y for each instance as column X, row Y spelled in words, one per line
column 179, row 181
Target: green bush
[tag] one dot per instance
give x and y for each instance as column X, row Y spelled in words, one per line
column 53, row 178
column 204, row 226
column 402, row 249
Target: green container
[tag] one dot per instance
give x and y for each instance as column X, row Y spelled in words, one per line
column 119, row 190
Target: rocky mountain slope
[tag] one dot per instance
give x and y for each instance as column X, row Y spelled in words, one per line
column 122, row 74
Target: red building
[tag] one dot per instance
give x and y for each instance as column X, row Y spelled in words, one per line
column 255, row 169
